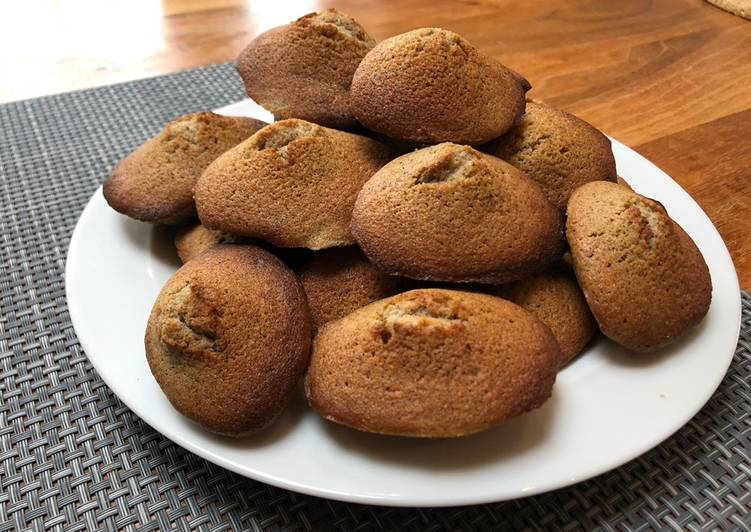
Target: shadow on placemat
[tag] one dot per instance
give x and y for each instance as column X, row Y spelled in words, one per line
column 72, row 457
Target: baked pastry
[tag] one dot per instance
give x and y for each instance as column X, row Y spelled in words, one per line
column 430, row 85
column 431, row 363
column 155, row 182
column 558, row 150
column 338, row 281
column 304, row 69
column 229, row 337
column 555, row 297
column 644, row 278
column 192, row 240
column 451, row 213
column 292, row 184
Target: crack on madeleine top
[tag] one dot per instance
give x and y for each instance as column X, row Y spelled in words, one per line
column 192, row 324
column 183, row 134
column 532, row 142
column 189, row 128
column 452, row 165
column 278, row 136
column 185, row 129
column 448, row 41
column 420, row 316
column 344, row 25
column 649, row 217
column 456, row 44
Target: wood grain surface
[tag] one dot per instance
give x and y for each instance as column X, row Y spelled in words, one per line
column 671, row 78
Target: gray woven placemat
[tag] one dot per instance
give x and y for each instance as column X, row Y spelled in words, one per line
column 72, row 457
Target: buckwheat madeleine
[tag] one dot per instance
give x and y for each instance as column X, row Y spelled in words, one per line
column 431, row 363
column 555, row 297
column 451, row 213
column 340, row 280
column 155, row 182
column 643, row 277
column 192, row 240
column 558, row 150
column 229, row 337
column 304, row 69
column 292, row 184
column 430, row 85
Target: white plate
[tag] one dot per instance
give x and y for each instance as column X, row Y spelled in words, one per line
column 608, row 407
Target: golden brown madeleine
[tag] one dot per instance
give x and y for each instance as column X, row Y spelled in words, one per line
column 431, row 363
column 644, row 278
column 155, row 182
column 451, row 213
column 228, row 338
column 338, row 281
column 192, row 240
column 304, row 69
column 554, row 296
column 430, row 85
column 292, row 184
column 558, row 150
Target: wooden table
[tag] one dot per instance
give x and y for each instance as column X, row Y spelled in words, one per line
column 671, row 78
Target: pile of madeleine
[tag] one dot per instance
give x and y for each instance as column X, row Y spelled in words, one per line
column 412, row 237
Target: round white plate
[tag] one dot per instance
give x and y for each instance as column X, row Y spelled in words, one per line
column 608, row 407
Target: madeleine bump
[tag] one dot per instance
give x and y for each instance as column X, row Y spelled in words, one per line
column 293, row 184
column 229, row 374
column 451, row 213
column 304, row 69
column 430, row 85
column 643, row 277
column 431, row 363
column 155, row 182
column 558, row 150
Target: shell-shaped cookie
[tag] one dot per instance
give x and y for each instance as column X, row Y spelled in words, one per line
column 228, row 338
column 155, row 182
column 340, row 280
column 292, row 184
column 558, row 150
column 451, row 213
column 431, row 363
column 644, row 278
column 304, row 69
column 430, row 85
column 554, row 296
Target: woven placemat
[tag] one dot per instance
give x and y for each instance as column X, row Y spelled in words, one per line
column 72, row 457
